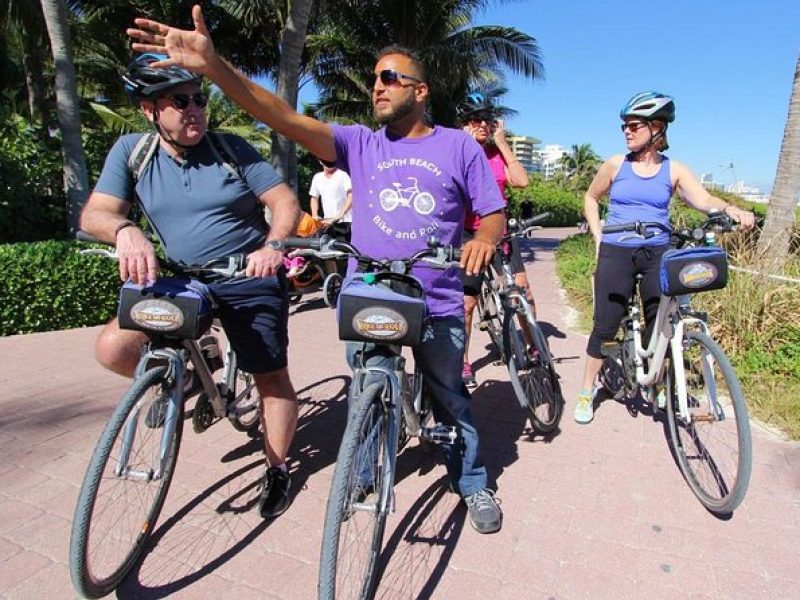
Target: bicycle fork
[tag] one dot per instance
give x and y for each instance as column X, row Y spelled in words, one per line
column 175, row 373
column 707, row 362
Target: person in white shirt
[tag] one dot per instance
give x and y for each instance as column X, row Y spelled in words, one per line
column 332, row 188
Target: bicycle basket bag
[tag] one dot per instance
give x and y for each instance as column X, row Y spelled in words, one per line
column 381, row 308
column 176, row 308
column 693, row 270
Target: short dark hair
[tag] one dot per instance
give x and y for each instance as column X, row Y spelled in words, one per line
column 416, row 62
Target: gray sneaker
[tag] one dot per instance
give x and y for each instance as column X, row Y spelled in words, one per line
column 485, row 515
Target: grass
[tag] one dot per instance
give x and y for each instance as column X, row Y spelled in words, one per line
column 755, row 319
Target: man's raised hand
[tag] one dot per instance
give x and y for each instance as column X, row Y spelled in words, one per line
column 192, row 50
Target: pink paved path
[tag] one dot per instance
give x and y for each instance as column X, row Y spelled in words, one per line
column 595, row 512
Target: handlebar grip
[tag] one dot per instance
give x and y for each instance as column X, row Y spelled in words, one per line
column 291, row 243
column 618, row 228
column 536, row 219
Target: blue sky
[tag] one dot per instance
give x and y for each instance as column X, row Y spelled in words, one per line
column 729, row 64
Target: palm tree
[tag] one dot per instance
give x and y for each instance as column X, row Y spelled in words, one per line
column 578, row 167
column 24, row 24
column 293, row 37
column 775, row 237
column 76, row 182
column 343, row 43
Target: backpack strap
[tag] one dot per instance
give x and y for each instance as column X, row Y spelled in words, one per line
column 141, row 154
column 225, row 155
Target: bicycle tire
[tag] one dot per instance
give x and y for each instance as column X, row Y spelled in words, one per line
column 719, row 484
column 354, row 524
column 532, row 374
column 100, row 557
column 490, row 311
column 249, row 421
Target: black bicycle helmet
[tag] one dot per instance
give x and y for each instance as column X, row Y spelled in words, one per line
column 475, row 103
column 144, row 82
column 651, row 106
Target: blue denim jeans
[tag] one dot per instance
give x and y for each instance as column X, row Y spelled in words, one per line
column 441, row 357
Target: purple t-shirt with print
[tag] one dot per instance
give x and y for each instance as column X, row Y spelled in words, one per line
column 407, row 189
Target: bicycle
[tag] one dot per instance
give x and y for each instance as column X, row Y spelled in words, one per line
column 687, row 371
column 319, row 275
column 385, row 306
column 506, row 315
column 132, row 465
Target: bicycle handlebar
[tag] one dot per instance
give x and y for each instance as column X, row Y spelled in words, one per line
column 520, row 227
column 437, row 255
column 716, row 221
column 229, row 266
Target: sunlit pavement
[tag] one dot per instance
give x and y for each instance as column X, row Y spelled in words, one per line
column 598, row 511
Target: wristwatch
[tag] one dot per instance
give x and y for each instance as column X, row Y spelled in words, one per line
column 274, row 244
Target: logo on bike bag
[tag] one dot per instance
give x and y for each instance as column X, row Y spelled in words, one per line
column 158, row 315
column 698, row 274
column 380, row 323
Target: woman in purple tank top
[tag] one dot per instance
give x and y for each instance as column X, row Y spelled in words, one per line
column 639, row 185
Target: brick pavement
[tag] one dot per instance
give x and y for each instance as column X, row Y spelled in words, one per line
column 592, row 512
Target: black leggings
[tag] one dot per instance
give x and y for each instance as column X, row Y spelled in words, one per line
column 614, row 278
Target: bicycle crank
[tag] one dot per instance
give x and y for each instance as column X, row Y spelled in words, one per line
column 203, row 415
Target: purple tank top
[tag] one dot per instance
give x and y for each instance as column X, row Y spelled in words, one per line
column 636, row 198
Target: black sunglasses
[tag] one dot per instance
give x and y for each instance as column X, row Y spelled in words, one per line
column 388, row 77
column 478, row 117
column 181, row 101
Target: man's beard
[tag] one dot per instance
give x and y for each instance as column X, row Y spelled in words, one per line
column 400, row 110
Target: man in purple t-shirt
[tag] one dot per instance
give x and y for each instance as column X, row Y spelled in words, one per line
column 410, row 180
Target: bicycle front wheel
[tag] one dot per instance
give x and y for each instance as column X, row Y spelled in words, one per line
column 531, row 371
column 356, row 514
column 712, row 443
column 116, row 512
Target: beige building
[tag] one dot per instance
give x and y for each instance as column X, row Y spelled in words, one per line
column 526, row 149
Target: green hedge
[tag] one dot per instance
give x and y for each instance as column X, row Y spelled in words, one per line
column 48, row 286
column 565, row 206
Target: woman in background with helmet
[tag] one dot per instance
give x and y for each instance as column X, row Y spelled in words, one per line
column 639, row 186
column 478, row 117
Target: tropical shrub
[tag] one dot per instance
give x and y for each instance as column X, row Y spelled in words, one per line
column 49, row 285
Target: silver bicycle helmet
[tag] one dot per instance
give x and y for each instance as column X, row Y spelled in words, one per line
column 144, row 82
column 651, row 106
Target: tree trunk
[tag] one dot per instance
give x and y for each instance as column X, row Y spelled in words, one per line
column 293, row 38
column 34, row 69
column 774, row 240
column 76, row 182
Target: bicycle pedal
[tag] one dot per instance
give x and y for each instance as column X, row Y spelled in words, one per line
column 439, row 434
column 482, row 325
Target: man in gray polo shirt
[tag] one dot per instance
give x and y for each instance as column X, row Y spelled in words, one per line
column 202, row 209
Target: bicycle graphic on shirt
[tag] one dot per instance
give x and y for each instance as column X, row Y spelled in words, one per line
column 423, row 202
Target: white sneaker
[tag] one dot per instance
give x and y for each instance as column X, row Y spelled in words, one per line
column 584, row 407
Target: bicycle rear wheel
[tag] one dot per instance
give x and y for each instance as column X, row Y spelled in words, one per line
column 246, row 402
column 116, row 514
column 531, row 371
column 713, row 445
column 490, row 310
column 355, row 518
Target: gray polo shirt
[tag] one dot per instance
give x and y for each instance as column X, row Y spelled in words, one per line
column 201, row 210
